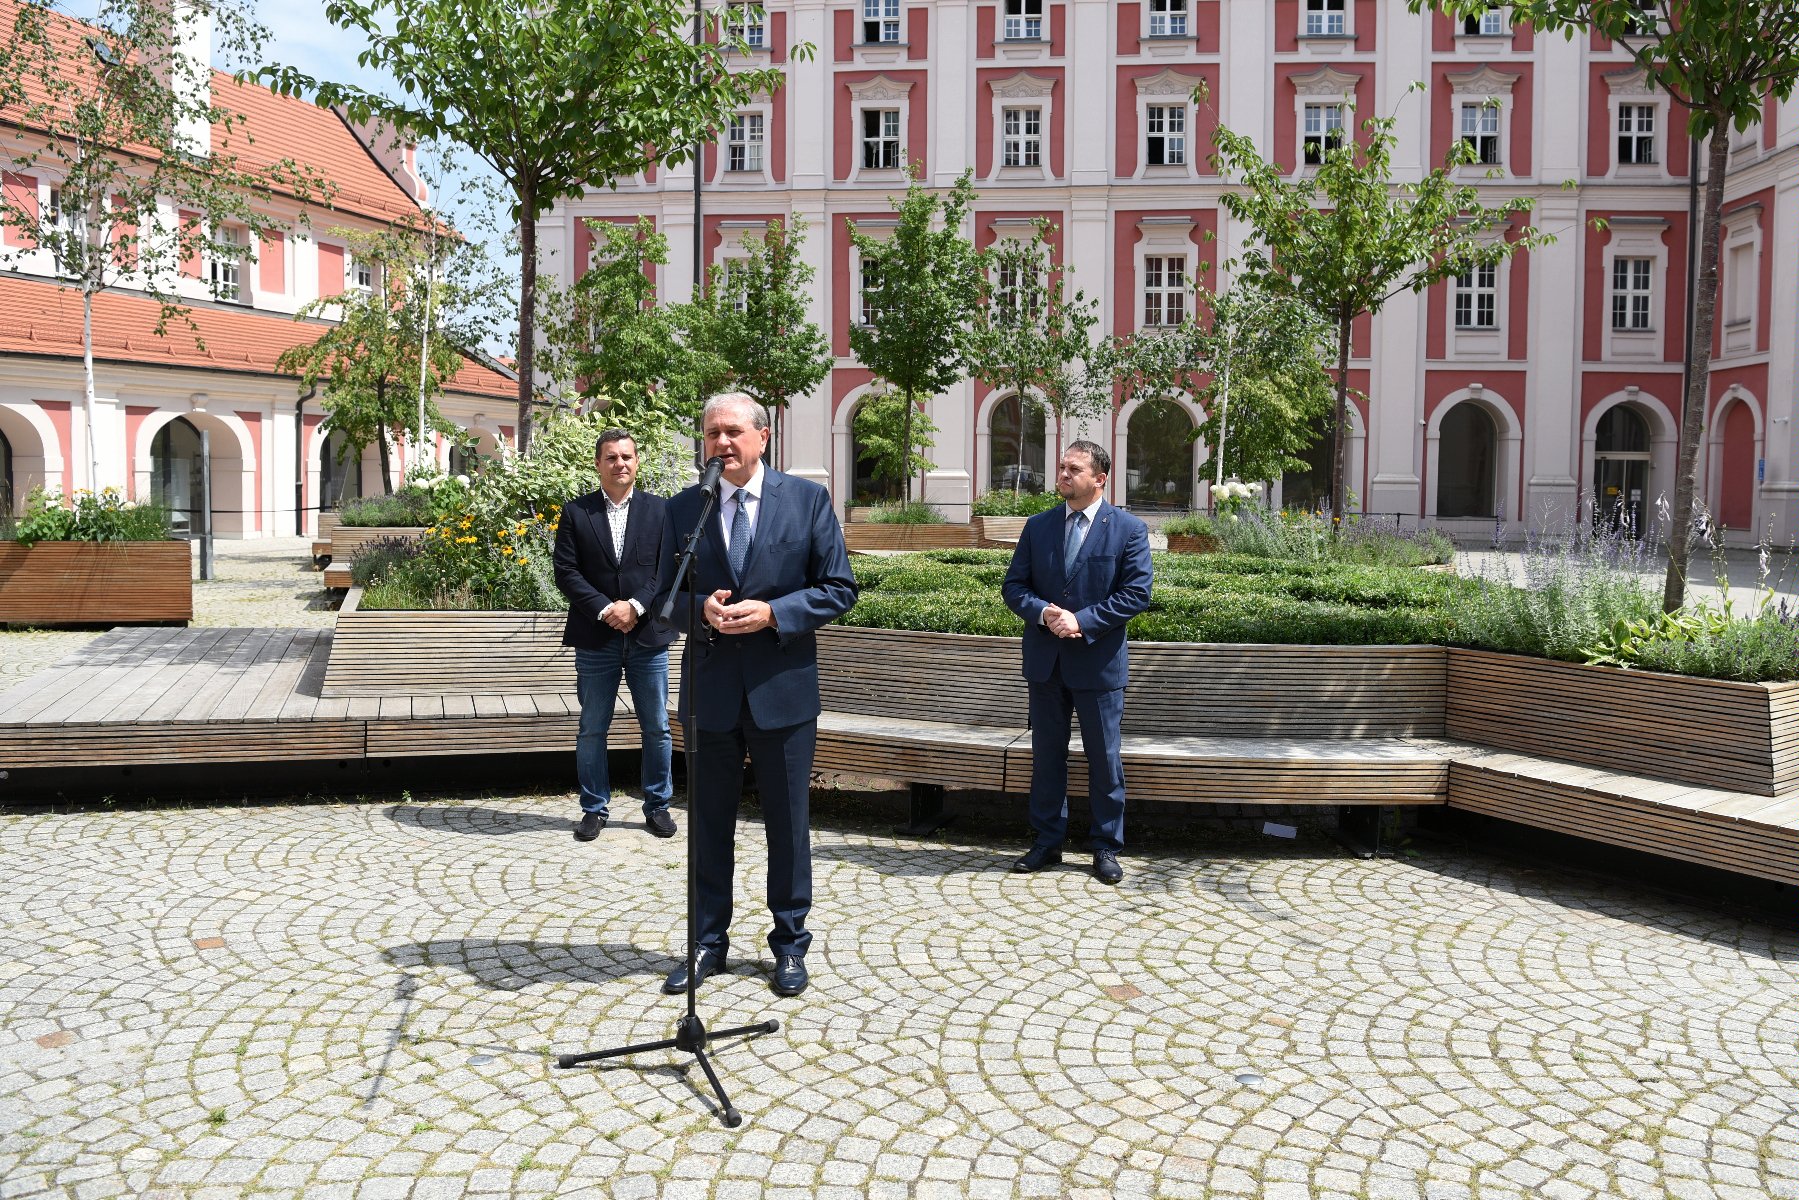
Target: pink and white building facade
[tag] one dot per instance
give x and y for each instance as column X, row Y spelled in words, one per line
column 1517, row 395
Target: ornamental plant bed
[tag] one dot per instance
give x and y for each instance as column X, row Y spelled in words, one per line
column 463, row 653
column 96, row 583
column 345, row 539
column 1716, row 733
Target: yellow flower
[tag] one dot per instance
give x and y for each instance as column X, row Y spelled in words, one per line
column 506, row 550
column 468, row 541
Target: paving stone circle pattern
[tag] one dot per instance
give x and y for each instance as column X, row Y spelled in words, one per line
column 354, row 1000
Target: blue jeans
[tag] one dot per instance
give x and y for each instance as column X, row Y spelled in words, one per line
column 597, row 672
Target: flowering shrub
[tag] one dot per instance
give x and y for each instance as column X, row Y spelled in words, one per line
column 1004, row 502
column 105, row 516
column 1232, row 497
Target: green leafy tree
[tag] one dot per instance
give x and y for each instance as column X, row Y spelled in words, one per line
column 1721, row 59
column 893, row 435
column 921, row 286
column 556, row 97
column 753, row 318
column 380, row 373
column 606, row 340
column 1030, row 338
column 1345, row 239
column 153, row 168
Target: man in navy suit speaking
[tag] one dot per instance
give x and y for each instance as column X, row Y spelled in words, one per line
column 1081, row 571
column 610, row 561
column 770, row 570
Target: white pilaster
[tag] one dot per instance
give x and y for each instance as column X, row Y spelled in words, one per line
column 1552, row 425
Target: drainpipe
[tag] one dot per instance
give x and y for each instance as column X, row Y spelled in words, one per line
column 300, row 461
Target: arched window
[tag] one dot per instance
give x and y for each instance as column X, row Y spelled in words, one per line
column 175, row 475
column 340, row 472
column 6, row 477
column 1160, row 471
column 1736, row 484
column 463, row 459
column 864, row 487
column 1309, row 489
column 1466, row 460
column 1621, row 470
column 1016, row 460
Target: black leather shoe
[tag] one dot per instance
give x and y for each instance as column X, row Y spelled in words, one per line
column 790, row 975
column 1105, row 866
column 590, row 826
column 1037, row 858
column 658, row 822
column 707, row 963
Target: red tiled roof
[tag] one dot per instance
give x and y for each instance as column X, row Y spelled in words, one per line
column 41, row 318
column 282, row 127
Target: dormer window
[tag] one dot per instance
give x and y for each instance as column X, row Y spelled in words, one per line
column 880, row 21
column 224, row 266
column 1167, row 18
column 1325, row 18
column 361, row 275
column 1024, row 20
column 746, row 24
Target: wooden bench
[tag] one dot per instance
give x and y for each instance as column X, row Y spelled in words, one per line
column 861, row 536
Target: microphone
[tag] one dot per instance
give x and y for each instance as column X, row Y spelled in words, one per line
column 715, row 466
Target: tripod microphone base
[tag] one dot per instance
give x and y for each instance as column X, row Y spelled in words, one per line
column 691, row 1037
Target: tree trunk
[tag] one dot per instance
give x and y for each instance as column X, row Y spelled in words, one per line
column 527, row 314
column 1340, row 424
column 906, row 452
column 1692, row 417
column 1018, row 471
column 87, row 395
column 387, row 470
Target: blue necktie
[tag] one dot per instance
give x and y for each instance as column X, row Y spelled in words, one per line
column 739, row 549
column 1072, row 546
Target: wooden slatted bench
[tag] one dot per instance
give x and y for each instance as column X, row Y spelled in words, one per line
column 859, row 536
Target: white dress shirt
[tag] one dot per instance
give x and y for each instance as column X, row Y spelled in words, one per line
column 617, row 517
column 727, row 498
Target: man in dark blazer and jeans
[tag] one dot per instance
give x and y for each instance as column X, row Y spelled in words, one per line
column 1080, row 572
column 769, row 571
column 610, row 560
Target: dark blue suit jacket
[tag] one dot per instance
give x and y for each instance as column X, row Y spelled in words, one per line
column 592, row 576
column 1109, row 586
column 798, row 565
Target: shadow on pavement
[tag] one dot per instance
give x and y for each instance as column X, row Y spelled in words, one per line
column 474, row 820
column 513, row 966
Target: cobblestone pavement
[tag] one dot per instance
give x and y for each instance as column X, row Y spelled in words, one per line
column 362, row 1000
column 270, row 583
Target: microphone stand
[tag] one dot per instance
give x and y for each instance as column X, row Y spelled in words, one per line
column 690, row 1032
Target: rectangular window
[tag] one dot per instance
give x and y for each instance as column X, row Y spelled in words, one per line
column 1488, row 24
column 880, row 21
column 1167, row 18
column 1631, row 293
column 1648, row 16
column 1480, row 129
column 1477, row 298
column 870, row 277
column 743, row 143
column 729, row 269
column 880, row 139
column 1323, row 130
column 1636, row 134
column 223, row 267
column 1324, row 18
column 1011, row 282
column 361, row 275
column 1166, row 131
column 1024, row 20
column 745, row 22
column 1022, row 137
column 1164, row 289
column 1739, row 284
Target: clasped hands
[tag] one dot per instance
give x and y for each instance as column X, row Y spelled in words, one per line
column 745, row 616
column 1061, row 622
column 620, row 616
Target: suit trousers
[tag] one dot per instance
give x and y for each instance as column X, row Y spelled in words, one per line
column 782, row 760
column 1052, row 705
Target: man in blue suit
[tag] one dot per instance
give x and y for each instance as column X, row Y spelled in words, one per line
column 1081, row 571
column 770, row 570
column 610, row 562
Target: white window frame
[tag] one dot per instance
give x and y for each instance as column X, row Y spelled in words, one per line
column 749, row 22
column 1323, row 111
column 1169, row 19
column 1634, row 237
column 1629, row 121
column 1630, row 294
column 1323, row 87
column 880, row 92
column 1740, row 311
column 1631, row 86
column 1021, row 136
column 1327, row 19
column 1478, row 283
column 746, row 143
column 864, row 312
column 354, row 269
column 1165, row 89
column 1494, row 23
column 1477, row 125
column 1162, row 238
column 1165, row 135
column 1023, row 91
column 1489, row 91
column 226, row 278
column 1022, row 25
column 883, row 17
column 885, row 145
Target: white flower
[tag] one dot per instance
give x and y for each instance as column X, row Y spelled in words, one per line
column 1220, row 491
column 1237, row 490
column 462, row 479
column 128, row 505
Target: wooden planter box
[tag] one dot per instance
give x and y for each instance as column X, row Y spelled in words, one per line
column 96, row 583
column 1711, row 732
column 998, row 532
column 446, row 653
column 1192, row 543
column 871, row 536
column 346, row 539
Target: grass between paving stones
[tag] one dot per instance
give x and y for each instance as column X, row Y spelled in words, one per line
column 1196, row 598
